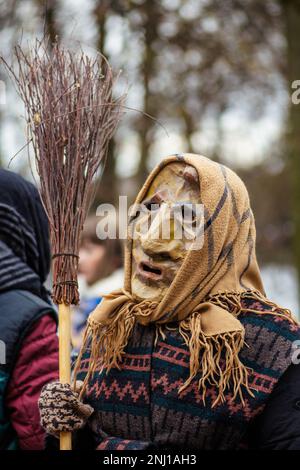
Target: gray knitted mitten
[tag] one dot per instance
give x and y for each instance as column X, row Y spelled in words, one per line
column 61, row 410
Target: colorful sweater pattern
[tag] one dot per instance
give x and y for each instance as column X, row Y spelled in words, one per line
column 140, row 404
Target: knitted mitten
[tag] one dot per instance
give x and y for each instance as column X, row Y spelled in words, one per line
column 61, row 410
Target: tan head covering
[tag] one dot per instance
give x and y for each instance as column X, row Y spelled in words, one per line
column 209, row 279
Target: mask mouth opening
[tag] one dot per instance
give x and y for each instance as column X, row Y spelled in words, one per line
column 149, row 271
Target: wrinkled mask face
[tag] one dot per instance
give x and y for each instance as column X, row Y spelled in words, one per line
column 163, row 230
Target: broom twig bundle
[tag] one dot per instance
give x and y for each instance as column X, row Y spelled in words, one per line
column 71, row 116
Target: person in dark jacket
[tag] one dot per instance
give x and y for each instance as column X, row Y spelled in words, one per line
column 190, row 354
column 28, row 321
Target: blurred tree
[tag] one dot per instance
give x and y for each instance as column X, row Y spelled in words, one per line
column 7, row 19
column 199, row 59
column 48, row 10
column 107, row 191
column 143, row 18
column 190, row 62
column 150, row 19
column 221, row 58
column 196, row 60
column 291, row 9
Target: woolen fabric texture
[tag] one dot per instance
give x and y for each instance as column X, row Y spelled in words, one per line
column 61, row 410
column 24, row 236
column 140, row 403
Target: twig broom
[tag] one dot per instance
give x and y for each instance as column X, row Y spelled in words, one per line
column 71, row 116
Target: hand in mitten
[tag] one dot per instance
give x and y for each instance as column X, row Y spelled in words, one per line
column 61, row 410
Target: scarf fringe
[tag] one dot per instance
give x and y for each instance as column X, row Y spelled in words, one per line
column 105, row 343
column 215, row 358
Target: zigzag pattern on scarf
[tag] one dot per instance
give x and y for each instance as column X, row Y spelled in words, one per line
column 164, row 384
column 258, row 382
column 173, row 354
column 103, row 389
column 140, row 404
column 138, row 394
column 134, row 362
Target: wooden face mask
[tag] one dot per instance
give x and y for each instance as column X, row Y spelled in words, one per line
column 160, row 241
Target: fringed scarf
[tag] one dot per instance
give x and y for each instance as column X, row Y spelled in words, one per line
column 204, row 299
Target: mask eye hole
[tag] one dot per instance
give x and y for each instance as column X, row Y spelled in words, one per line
column 154, row 202
column 152, row 206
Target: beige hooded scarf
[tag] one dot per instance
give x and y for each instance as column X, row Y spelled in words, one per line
column 209, row 280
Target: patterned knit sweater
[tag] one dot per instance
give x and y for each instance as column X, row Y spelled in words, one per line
column 139, row 405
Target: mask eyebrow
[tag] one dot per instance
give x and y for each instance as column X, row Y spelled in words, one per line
column 155, row 199
column 190, row 175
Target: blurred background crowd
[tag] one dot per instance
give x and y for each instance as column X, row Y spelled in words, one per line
column 204, row 76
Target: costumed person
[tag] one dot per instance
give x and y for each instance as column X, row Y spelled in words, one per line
column 100, row 272
column 190, row 354
column 28, row 323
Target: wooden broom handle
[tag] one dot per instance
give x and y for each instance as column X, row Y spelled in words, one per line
column 64, row 331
